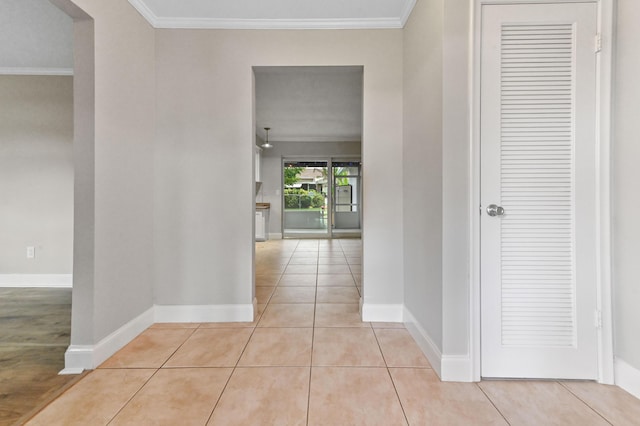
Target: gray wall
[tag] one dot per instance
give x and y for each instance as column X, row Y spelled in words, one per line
column 36, row 174
column 437, row 138
column 205, row 190
column 271, row 191
column 422, row 166
column 626, row 183
column 114, row 198
column 455, row 179
column 35, row 34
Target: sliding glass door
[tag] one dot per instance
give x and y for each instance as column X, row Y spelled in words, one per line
column 321, row 198
column 306, row 198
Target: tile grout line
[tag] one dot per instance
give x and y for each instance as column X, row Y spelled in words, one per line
column 492, row 403
column 313, row 336
column 133, row 396
column 245, row 346
column 393, row 383
column 584, row 402
column 234, row 368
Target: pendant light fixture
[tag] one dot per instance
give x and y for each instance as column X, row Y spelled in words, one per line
column 266, row 144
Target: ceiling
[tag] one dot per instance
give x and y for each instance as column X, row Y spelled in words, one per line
column 303, row 104
column 37, row 38
column 309, row 104
column 282, row 14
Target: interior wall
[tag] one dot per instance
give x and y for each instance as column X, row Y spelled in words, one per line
column 271, row 191
column 422, row 166
column 626, row 175
column 115, row 159
column 205, row 190
column 36, row 174
column 456, row 183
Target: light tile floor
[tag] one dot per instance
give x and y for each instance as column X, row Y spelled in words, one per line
column 309, row 360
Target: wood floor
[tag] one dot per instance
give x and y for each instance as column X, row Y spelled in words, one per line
column 35, row 329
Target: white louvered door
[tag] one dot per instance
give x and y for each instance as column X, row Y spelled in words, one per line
column 538, row 162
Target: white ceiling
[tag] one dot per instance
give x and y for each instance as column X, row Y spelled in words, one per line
column 265, row 14
column 309, row 104
column 37, row 38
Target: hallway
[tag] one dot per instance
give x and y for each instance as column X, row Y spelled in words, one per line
column 308, row 359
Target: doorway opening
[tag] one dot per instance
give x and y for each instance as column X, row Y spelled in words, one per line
column 309, row 172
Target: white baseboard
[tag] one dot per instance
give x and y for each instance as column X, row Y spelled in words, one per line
column 424, row 341
column 88, row 357
column 204, row 313
column 382, row 313
column 36, row 280
column 450, row 368
column 627, row 377
column 456, row 368
column 275, row 236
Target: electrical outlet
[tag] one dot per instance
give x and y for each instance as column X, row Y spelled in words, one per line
column 31, row 252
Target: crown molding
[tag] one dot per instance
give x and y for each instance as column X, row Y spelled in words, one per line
column 144, row 10
column 35, row 71
column 279, row 24
column 273, row 24
column 406, row 12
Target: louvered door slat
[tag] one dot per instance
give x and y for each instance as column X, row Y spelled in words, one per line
column 544, row 139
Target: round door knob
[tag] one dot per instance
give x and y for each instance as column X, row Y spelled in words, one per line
column 494, row 210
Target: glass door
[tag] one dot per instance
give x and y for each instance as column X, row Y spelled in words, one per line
column 306, row 199
column 347, row 197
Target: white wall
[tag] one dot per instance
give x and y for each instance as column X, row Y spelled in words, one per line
column 456, row 181
column 36, row 174
column 422, row 166
column 271, row 191
column 626, row 179
column 205, row 189
column 113, row 259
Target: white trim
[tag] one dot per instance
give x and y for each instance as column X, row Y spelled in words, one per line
column 606, row 358
column 474, row 185
column 88, row 357
column 204, row 313
column 274, row 24
column 275, row 235
column 35, row 71
column 424, row 341
column 605, row 335
column 78, row 358
column 146, row 13
column 373, row 312
column 36, row 280
column 70, row 371
column 457, row 368
column 406, row 11
column 278, row 24
column 627, row 377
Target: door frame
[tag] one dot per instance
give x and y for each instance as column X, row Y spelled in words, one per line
column 603, row 191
